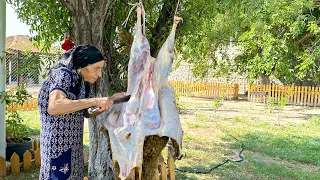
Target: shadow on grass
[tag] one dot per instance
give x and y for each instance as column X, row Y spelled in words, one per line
column 303, row 149
column 181, row 175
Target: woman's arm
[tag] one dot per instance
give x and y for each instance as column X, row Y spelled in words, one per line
column 59, row 104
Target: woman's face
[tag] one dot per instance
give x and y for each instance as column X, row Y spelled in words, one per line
column 92, row 72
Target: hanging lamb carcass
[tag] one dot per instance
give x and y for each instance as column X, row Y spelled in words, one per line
column 151, row 109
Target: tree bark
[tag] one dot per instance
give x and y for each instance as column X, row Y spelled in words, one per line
column 92, row 21
column 304, row 38
column 163, row 26
column 152, row 148
column 89, row 19
column 264, row 79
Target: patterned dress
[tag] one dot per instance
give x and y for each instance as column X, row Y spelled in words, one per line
column 61, row 136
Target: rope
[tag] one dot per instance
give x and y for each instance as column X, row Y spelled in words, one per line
column 175, row 12
column 144, row 19
column 126, row 20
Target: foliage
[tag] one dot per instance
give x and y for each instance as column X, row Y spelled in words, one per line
column 290, row 151
column 16, row 130
column 266, row 34
column 217, row 102
column 28, row 66
column 180, row 106
column 48, row 20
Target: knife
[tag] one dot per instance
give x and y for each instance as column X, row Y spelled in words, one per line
column 123, row 99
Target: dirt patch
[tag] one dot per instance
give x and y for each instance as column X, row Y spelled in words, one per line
column 243, row 108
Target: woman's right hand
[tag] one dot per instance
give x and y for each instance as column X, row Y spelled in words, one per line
column 104, row 103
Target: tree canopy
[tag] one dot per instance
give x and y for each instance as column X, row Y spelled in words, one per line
column 274, row 37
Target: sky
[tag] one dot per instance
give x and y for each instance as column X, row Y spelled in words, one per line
column 13, row 25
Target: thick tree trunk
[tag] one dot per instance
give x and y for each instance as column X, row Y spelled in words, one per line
column 264, row 79
column 89, row 19
column 153, row 145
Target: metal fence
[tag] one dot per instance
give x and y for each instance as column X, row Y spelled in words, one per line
column 28, row 68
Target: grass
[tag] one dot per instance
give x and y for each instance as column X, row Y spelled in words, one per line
column 289, row 151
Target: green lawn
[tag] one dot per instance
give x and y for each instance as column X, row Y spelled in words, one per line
column 289, row 151
column 271, row 152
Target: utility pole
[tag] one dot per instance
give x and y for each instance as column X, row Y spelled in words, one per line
column 3, row 143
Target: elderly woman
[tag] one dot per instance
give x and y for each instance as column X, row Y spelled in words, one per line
column 63, row 101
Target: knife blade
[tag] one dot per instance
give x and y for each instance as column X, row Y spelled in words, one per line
column 123, row 99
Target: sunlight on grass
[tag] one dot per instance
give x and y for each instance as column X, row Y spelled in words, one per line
column 32, row 120
column 289, row 151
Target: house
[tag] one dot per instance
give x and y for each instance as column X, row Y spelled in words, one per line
column 23, row 61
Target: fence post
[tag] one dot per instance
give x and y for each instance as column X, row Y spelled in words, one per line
column 37, row 158
column 3, row 167
column 316, row 97
column 157, row 173
column 34, row 145
column 163, row 171
column 26, row 161
column 305, row 96
column 309, row 96
column 15, row 164
column 312, row 96
column 171, row 168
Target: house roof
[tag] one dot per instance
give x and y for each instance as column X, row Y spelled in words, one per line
column 23, row 43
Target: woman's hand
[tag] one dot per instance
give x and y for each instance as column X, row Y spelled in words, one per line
column 104, row 103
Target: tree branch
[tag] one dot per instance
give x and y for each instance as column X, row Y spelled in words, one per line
column 68, row 4
column 304, row 38
column 162, row 27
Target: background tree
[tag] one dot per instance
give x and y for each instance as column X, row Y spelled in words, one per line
column 274, row 37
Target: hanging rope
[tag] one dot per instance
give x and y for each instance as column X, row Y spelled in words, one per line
column 126, row 21
column 175, row 12
column 144, row 19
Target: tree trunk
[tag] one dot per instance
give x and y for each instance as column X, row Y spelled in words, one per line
column 152, row 148
column 89, row 19
column 93, row 24
column 264, row 79
column 162, row 28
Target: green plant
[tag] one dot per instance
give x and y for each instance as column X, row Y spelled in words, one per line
column 217, row 102
column 273, row 106
column 16, row 130
column 180, row 106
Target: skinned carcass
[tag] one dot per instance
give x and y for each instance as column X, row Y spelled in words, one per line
column 128, row 124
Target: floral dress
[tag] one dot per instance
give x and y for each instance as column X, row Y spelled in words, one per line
column 61, row 136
